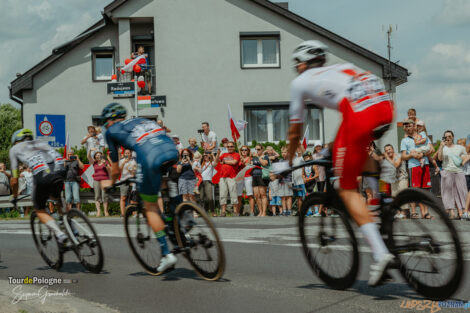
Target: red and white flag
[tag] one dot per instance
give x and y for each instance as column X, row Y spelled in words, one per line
column 130, row 66
column 305, row 139
column 87, row 176
column 67, row 146
column 236, row 126
column 216, row 177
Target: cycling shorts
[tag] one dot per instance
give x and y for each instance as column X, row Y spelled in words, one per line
column 150, row 159
column 46, row 186
column 354, row 136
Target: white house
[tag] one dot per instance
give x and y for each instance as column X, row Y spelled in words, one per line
column 206, row 54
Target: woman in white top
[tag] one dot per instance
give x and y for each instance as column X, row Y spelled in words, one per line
column 466, row 170
column 453, row 184
column 206, row 189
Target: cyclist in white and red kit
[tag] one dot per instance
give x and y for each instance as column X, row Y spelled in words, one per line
column 365, row 106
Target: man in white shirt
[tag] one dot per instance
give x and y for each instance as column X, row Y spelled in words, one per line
column 176, row 140
column 91, row 142
column 209, row 139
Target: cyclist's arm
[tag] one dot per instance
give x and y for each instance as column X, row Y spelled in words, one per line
column 114, row 156
column 296, row 118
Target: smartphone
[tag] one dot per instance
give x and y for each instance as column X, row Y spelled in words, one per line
column 73, row 157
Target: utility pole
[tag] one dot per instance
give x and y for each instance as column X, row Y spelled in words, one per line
column 389, row 49
column 389, row 54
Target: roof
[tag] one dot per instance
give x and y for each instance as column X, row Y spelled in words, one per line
column 397, row 73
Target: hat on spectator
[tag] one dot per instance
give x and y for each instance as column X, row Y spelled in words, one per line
column 420, row 123
column 408, row 121
column 224, row 140
column 317, row 143
column 175, row 136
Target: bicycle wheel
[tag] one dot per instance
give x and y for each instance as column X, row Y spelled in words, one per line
column 328, row 242
column 199, row 236
column 428, row 250
column 142, row 240
column 85, row 241
column 46, row 243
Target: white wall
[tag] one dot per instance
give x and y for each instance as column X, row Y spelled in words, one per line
column 197, row 56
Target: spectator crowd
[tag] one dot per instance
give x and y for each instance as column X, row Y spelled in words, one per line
column 232, row 179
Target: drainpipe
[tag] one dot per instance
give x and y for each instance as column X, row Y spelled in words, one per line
column 20, row 102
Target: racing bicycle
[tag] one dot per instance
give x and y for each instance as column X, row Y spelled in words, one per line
column 427, row 252
column 196, row 238
column 82, row 239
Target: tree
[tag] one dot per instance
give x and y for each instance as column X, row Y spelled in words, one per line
column 10, row 121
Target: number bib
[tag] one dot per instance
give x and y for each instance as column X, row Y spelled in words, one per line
column 146, row 130
column 38, row 164
column 365, row 90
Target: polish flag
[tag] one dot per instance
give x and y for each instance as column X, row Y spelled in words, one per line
column 216, row 177
column 87, row 176
column 67, row 145
column 305, row 139
column 236, row 126
column 130, row 67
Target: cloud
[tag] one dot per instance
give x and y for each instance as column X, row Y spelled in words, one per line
column 439, row 89
column 454, row 12
column 67, row 31
column 32, row 28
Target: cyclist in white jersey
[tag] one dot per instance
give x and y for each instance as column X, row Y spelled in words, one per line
column 48, row 174
column 365, row 106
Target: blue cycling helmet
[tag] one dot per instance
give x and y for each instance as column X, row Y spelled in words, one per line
column 113, row 111
column 21, row 134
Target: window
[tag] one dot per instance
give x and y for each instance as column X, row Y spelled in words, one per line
column 103, row 65
column 271, row 123
column 259, row 52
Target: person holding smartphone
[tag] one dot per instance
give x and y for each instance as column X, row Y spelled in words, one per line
column 72, row 180
column 187, row 179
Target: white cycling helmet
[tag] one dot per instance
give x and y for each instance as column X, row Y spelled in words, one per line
column 309, row 50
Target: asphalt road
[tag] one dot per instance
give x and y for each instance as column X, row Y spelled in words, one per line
column 266, row 272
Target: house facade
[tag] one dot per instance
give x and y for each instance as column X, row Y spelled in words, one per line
column 204, row 55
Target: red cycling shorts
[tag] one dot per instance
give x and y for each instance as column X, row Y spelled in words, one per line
column 353, row 138
column 420, row 177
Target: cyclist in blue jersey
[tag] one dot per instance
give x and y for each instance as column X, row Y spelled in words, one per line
column 155, row 151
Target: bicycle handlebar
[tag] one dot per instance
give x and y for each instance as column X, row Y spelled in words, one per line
column 123, row 182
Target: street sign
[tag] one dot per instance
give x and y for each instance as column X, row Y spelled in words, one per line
column 51, row 128
column 158, row 101
column 151, row 101
column 121, row 90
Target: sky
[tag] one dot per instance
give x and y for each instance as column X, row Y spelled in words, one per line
column 430, row 38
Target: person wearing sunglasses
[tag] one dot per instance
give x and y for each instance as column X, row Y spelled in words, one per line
column 187, row 179
column 247, row 182
column 259, row 160
column 228, row 171
column 206, row 189
column 453, row 184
